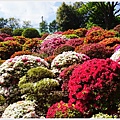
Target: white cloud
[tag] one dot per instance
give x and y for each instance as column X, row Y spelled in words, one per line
column 31, row 10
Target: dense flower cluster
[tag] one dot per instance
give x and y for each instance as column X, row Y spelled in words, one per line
column 4, row 35
column 8, row 38
column 20, row 109
column 1, row 39
column 71, row 36
column 70, row 31
column 66, row 59
column 48, row 46
column 12, row 69
column 94, row 85
column 75, row 42
column 94, row 50
column 62, row 110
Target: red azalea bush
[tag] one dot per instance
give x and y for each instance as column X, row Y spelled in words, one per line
column 44, row 36
column 111, row 43
column 65, row 76
column 27, row 52
column 81, row 32
column 94, row 86
column 94, row 50
column 63, row 48
column 75, row 42
column 48, row 46
column 62, row 110
column 8, row 48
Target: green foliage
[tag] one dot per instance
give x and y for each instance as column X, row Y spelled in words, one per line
column 43, row 26
column 102, row 115
column 70, row 36
column 68, row 17
column 30, row 33
column 18, row 32
column 2, row 100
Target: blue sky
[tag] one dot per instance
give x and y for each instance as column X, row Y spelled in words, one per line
column 31, row 10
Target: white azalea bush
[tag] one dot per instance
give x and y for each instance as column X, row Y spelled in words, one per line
column 12, row 70
column 21, row 109
column 116, row 56
column 64, row 60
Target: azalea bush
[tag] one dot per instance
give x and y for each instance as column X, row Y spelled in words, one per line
column 8, row 38
column 4, row 35
column 19, row 53
column 1, row 39
column 63, row 48
column 8, row 48
column 75, row 42
column 81, row 32
column 117, row 28
column 94, row 50
column 12, row 70
column 21, row 109
column 31, row 44
column 48, row 46
column 111, row 43
column 94, row 86
column 62, row 110
column 66, row 59
column 49, row 59
column 67, row 32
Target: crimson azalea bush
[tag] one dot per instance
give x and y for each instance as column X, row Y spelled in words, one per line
column 94, row 50
column 94, row 86
column 75, row 42
column 62, row 110
column 1, row 39
column 8, row 38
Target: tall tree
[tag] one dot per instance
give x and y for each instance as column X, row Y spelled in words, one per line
column 67, row 17
column 43, row 26
column 53, row 27
column 3, row 22
column 103, row 14
column 26, row 24
column 13, row 23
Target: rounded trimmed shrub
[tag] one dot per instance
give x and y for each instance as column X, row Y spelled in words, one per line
column 30, row 33
column 94, row 86
column 18, row 32
column 7, row 30
column 62, row 110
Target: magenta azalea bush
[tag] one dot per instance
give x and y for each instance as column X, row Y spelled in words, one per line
column 94, row 86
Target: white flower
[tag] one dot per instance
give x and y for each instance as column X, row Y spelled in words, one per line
column 116, row 56
column 20, row 109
